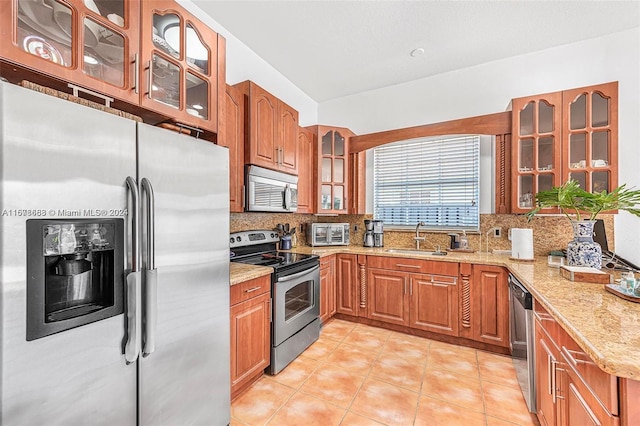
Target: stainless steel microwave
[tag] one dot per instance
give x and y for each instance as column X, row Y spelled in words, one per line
column 270, row 191
column 328, row 234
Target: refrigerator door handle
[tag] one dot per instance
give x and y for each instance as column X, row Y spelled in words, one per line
column 151, row 275
column 132, row 346
column 151, row 313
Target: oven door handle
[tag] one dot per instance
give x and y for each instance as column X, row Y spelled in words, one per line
column 298, row 275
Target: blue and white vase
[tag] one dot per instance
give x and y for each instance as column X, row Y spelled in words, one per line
column 582, row 250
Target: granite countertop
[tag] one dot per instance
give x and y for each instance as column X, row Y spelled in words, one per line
column 240, row 272
column 605, row 326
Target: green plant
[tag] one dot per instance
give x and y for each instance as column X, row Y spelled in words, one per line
column 570, row 198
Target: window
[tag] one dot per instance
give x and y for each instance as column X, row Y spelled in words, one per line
column 435, row 181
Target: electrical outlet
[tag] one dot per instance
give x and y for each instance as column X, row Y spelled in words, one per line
column 355, row 228
column 497, row 232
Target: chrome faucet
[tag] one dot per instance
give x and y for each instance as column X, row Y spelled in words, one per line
column 418, row 238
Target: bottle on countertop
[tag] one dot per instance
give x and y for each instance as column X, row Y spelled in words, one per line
column 464, row 241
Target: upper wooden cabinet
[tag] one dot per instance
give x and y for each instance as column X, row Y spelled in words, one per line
column 306, row 184
column 231, row 135
column 272, row 138
column 331, row 171
column 152, row 54
column 558, row 136
column 91, row 43
column 183, row 65
column 357, row 182
column 590, row 129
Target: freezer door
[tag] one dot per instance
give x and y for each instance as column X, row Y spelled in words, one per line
column 57, row 160
column 185, row 378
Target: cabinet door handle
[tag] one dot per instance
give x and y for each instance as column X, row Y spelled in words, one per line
column 553, row 380
column 575, row 356
column 136, row 74
column 549, row 375
column 150, row 75
column 402, row 265
column 440, row 280
column 251, row 290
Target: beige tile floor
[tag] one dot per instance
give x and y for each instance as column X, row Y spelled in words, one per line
column 361, row 375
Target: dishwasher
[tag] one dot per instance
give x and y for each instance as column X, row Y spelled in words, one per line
column 522, row 339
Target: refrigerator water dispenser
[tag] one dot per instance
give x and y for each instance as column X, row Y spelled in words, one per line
column 74, row 273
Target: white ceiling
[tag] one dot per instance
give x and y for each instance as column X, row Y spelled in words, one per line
column 331, row 49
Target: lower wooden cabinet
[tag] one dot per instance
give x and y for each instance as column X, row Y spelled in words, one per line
column 347, row 289
column 490, row 305
column 388, row 296
column 250, row 332
column 547, row 375
column 571, row 388
column 434, row 303
column 327, row 288
column 426, row 301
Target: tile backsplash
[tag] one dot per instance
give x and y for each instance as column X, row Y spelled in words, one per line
column 549, row 232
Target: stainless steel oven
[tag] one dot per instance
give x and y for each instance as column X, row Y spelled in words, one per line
column 295, row 293
column 296, row 312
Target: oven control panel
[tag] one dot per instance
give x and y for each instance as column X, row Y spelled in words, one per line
column 249, row 238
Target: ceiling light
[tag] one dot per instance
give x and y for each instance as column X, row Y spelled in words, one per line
column 417, row 52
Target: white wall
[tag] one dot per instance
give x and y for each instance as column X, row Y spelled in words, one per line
column 488, row 88
column 244, row 64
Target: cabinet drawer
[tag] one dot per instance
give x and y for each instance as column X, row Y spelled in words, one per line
column 413, row 265
column 325, row 262
column 549, row 324
column 251, row 288
column 580, row 400
column 602, row 385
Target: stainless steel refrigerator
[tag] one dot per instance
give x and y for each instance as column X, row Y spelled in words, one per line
column 114, row 280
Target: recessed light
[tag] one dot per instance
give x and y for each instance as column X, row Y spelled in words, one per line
column 417, row 52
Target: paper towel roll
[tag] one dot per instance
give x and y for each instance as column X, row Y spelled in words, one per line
column 522, row 243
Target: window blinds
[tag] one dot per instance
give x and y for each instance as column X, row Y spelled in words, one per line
column 434, row 181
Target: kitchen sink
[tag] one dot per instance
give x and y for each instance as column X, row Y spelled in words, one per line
column 417, row 252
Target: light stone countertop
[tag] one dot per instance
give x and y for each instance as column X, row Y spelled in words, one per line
column 240, row 272
column 605, row 326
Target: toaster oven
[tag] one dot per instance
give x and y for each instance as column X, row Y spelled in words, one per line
column 328, row 234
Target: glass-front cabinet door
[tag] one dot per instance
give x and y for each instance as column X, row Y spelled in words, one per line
column 180, row 67
column 332, row 170
column 536, row 157
column 91, row 43
column 590, row 127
